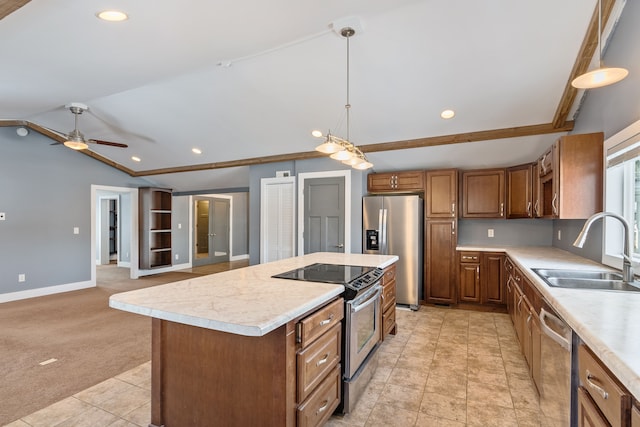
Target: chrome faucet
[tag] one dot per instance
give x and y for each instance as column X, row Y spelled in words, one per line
column 627, row 269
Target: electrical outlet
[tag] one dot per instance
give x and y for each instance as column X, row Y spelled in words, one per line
column 179, row 227
column 490, row 232
column 21, row 277
column 177, row 257
column 76, row 230
column 559, row 234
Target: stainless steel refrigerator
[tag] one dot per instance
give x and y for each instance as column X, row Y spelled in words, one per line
column 392, row 225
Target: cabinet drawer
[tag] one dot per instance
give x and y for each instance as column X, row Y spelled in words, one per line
column 388, row 295
column 317, row 409
column 315, row 361
column 389, row 274
column 311, row 327
column 469, row 256
column 613, row 400
column 389, row 320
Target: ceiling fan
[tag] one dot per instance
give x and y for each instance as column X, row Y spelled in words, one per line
column 74, row 139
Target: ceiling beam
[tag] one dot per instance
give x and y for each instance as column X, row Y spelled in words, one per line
column 513, row 132
column 585, row 55
column 7, row 7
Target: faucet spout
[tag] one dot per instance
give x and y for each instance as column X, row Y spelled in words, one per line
column 627, row 268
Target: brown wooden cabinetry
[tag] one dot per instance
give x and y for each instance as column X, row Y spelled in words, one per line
column 469, row 277
column 440, row 273
column 519, row 191
column 481, row 278
column 482, row 194
column 389, row 301
column 441, row 194
column 155, row 227
column 635, row 416
column 291, row 376
column 396, row 182
column 570, row 177
column 602, row 393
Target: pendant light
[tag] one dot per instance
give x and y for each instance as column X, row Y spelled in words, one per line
column 601, row 76
column 342, row 149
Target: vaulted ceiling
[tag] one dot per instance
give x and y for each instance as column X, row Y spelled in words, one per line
column 246, row 81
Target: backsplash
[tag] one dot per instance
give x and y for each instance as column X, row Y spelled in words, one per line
column 513, row 232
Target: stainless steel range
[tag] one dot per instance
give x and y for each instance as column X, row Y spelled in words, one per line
column 361, row 328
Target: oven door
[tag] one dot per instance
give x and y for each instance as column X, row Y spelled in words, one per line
column 362, row 328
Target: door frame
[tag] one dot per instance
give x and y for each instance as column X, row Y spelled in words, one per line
column 192, row 225
column 97, row 192
column 346, row 174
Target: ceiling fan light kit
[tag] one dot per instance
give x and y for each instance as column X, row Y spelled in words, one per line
column 601, row 76
column 342, row 149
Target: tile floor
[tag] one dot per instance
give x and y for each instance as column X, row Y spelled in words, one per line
column 445, row 367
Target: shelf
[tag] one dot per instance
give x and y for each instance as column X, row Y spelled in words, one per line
column 155, row 227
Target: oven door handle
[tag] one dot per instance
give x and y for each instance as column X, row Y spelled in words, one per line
column 367, row 299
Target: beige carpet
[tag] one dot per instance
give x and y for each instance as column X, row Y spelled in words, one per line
column 90, row 341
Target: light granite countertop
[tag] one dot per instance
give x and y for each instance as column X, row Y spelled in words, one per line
column 246, row 301
column 607, row 321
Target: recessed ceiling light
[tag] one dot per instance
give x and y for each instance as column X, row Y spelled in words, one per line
column 316, row 133
column 135, row 158
column 112, row 15
column 447, row 114
column 196, row 150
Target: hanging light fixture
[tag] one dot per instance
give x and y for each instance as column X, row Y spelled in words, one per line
column 601, row 76
column 339, row 148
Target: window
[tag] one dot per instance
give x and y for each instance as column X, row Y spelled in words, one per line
column 622, row 193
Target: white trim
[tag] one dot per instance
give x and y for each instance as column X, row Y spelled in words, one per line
column 264, row 182
column 133, row 243
column 48, row 290
column 347, row 205
column 174, row 267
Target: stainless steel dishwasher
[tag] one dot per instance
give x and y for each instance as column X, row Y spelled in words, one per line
column 557, row 404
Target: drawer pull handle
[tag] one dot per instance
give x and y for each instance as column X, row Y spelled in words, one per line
column 323, row 407
column 327, row 320
column 323, row 360
column 602, row 392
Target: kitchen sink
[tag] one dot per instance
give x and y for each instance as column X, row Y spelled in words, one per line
column 586, row 279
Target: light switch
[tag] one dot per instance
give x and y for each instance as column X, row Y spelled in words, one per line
column 76, row 230
column 490, row 232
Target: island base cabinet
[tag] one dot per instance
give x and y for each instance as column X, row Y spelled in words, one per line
column 317, row 409
column 201, row 377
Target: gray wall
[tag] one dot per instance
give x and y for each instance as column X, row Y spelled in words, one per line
column 358, row 188
column 45, row 192
column 511, row 232
column 180, row 229
column 609, row 109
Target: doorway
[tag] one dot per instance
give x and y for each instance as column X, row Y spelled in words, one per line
column 211, row 235
column 326, row 201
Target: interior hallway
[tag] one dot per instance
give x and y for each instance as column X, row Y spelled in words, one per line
column 446, row 367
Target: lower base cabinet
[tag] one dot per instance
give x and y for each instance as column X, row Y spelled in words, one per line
column 440, row 272
column 481, row 278
column 388, row 311
column 289, row 377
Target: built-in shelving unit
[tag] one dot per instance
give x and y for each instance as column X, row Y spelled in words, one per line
column 155, row 227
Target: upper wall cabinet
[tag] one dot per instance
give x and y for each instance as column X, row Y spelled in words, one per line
column 519, row 191
column 570, row 178
column 396, row 182
column 441, row 193
column 482, row 194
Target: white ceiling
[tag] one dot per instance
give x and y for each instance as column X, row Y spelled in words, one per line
column 250, row 78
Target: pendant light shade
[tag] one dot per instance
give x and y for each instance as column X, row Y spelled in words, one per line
column 601, row 76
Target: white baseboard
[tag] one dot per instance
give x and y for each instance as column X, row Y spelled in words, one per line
column 47, row 290
column 174, row 267
column 239, row 257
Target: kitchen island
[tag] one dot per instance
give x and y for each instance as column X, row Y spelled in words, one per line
column 224, row 346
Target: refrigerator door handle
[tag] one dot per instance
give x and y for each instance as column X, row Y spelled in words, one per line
column 384, row 231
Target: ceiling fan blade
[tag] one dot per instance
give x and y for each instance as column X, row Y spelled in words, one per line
column 112, row 144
